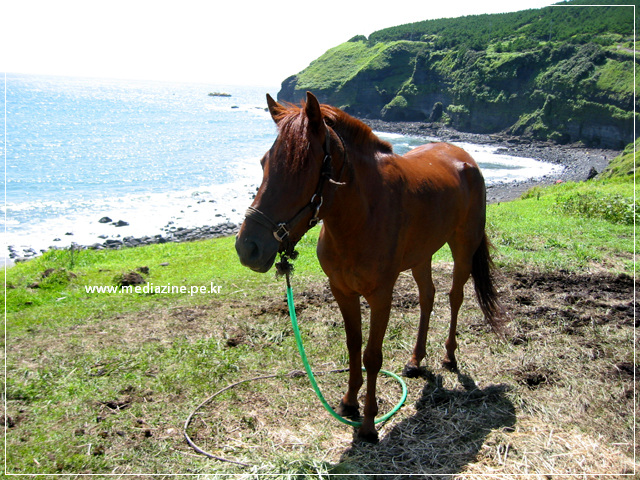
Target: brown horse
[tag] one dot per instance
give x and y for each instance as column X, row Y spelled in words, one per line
column 382, row 214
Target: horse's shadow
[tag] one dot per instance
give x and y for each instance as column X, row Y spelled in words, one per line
column 446, row 433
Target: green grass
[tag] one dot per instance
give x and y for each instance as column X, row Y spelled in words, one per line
column 624, row 166
column 338, row 65
column 342, row 64
column 616, row 77
column 64, row 297
column 547, row 230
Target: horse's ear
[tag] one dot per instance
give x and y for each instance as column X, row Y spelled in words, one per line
column 274, row 108
column 312, row 109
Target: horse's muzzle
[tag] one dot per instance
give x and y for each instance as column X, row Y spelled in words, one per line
column 255, row 253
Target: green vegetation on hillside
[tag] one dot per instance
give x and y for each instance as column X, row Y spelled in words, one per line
column 561, row 73
column 625, row 165
column 520, row 30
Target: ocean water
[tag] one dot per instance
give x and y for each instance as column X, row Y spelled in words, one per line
column 144, row 152
column 149, row 153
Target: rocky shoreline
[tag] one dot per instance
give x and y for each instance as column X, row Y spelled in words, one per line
column 179, row 234
column 579, row 164
column 173, row 234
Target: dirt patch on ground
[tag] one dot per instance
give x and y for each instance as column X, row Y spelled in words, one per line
column 581, row 299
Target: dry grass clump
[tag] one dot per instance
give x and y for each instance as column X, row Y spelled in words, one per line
column 536, row 449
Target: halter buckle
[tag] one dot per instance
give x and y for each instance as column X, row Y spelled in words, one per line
column 316, row 210
column 281, row 233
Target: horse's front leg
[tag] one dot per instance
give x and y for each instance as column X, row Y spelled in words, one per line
column 350, row 309
column 380, row 309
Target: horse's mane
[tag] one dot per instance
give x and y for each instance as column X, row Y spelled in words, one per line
column 293, row 126
column 353, row 130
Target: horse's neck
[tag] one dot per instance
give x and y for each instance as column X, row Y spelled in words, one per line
column 352, row 202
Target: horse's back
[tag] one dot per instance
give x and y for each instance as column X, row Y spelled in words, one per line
column 441, row 167
column 440, row 154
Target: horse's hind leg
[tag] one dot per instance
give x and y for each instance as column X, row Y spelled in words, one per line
column 422, row 276
column 461, row 273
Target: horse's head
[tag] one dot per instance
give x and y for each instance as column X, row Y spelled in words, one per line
column 290, row 196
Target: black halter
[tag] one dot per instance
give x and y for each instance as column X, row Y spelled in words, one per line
column 282, row 230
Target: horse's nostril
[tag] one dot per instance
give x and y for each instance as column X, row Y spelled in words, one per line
column 248, row 250
column 253, row 251
column 256, row 250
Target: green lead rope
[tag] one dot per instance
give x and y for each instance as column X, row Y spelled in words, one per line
column 312, row 379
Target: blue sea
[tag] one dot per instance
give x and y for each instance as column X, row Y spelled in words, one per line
column 147, row 153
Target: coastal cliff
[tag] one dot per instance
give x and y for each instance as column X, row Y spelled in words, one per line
column 563, row 74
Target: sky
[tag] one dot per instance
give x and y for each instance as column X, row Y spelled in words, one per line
column 222, row 43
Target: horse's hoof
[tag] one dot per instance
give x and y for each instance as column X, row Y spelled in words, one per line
column 348, row 411
column 411, row 371
column 368, row 436
column 451, row 365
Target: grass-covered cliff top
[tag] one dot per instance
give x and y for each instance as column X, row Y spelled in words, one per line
column 562, row 73
column 571, row 23
column 624, row 165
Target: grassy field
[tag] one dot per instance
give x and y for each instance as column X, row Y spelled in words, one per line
column 102, row 383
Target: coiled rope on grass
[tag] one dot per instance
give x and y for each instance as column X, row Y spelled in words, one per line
column 294, row 374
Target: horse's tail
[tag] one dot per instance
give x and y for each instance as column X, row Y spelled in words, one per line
column 482, row 272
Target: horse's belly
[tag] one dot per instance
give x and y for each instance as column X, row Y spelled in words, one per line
column 361, row 271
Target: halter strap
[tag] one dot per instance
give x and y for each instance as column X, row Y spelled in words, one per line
column 282, row 230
